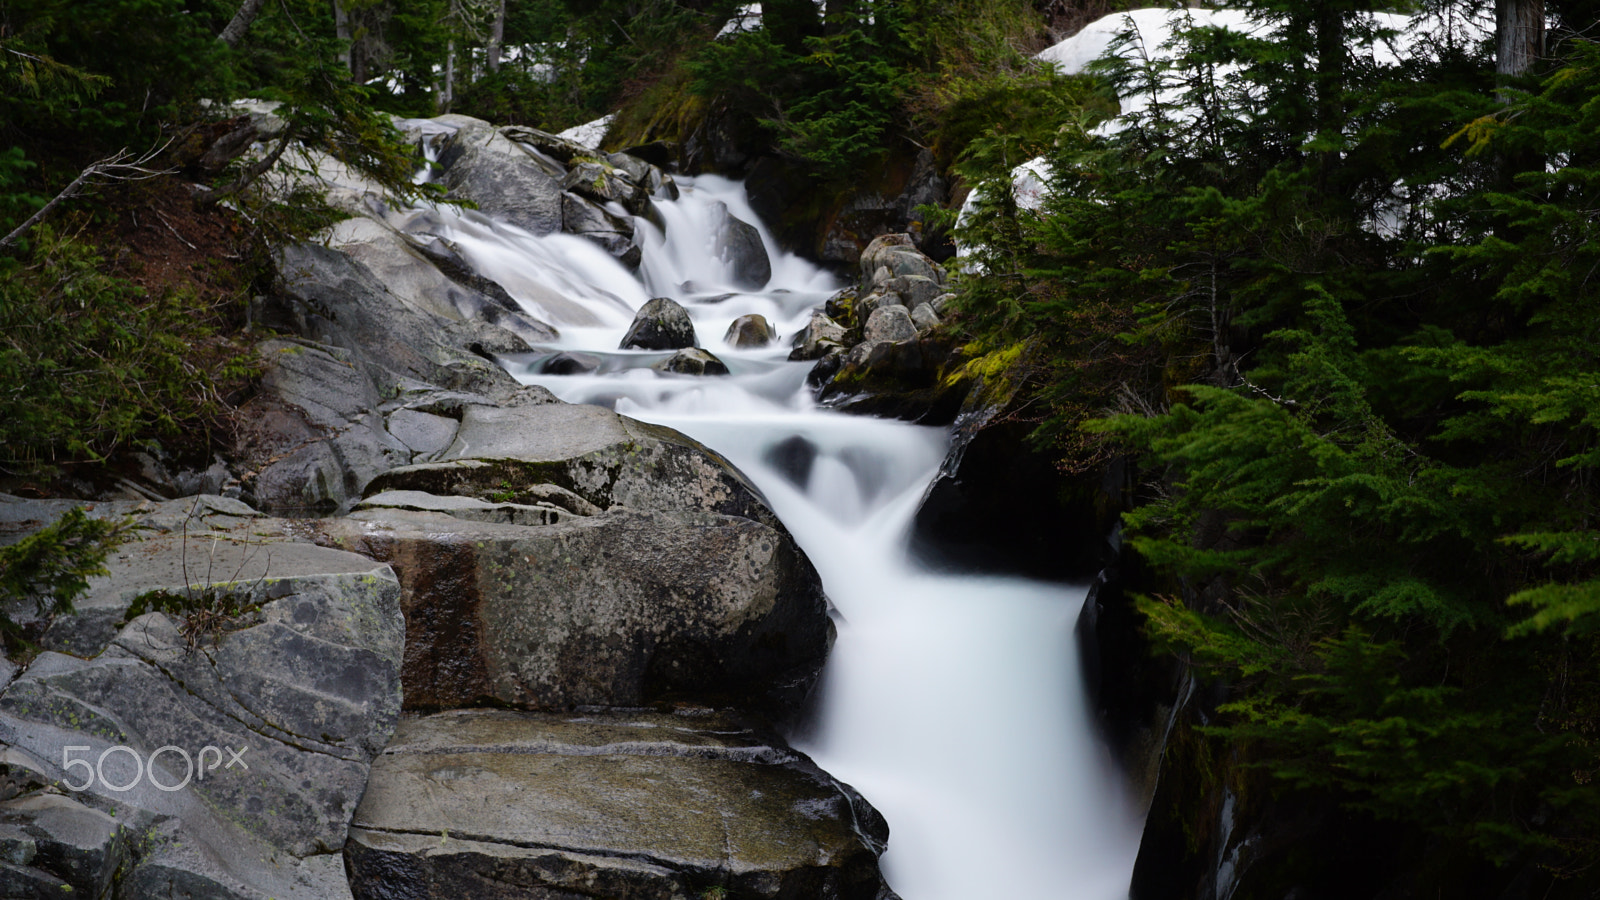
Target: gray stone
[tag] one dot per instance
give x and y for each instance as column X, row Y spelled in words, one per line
column 568, row 363
column 871, row 302
column 942, row 302
column 692, row 361
column 821, row 334
column 27, row 883
column 545, row 610
column 657, row 183
column 327, row 296
column 311, row 437
column 429, row 279
column 913, row 290
column 554, row 146
column 471, row 509
column 210, row 481
column 79, row 845
column 890, row 323
column 606, row 458
column 628, row 804
column 614, row 233
column 857, row 357
column 660, row 324
column 899, row 255
column 750, row 332
column 193, row 541
column 426, row 434
column 302, row 679
column 924, row 318
column 504, row 179
column 671, row 574
column 738, row 244
column 604, row 183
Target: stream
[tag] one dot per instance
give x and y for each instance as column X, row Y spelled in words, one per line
column 953, row 702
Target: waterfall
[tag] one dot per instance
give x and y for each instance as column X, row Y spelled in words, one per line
column 955, row 704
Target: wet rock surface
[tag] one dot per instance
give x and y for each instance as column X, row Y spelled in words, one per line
column 738, row 244
column 616, row 804
column 750, row 332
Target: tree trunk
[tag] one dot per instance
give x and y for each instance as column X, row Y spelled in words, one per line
column 1519, row 36
column 497, row 34
column 341, row 30
column 449, row 75
column 248, row 10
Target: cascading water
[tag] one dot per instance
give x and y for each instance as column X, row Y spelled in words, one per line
column 953, row 703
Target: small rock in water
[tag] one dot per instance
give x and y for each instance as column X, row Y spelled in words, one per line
column 692, row 361
column 738, row 244
column 793, row 457
column 750, row 331
column 890, row 323
column 660, row 325
column 570, row 364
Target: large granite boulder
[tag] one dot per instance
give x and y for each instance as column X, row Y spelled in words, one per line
column 503, row 177
column 427, row 274
column 282, row 655
column 618, row 804
column 820, row 335
column 564, row 555
column 328, row 296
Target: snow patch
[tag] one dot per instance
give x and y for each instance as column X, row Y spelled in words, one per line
column 590, row 134
column 748, row 18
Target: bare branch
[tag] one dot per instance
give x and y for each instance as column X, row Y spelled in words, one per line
column 121, row 166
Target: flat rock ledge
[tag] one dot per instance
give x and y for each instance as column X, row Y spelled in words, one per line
column 563, row 556
column 301, row 681
column 621, row 803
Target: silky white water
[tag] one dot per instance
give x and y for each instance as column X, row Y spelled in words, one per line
column 953, row 703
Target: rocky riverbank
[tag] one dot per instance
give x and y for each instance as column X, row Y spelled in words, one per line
column 495, row 594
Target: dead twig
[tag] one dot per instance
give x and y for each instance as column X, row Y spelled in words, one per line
column 120, row 167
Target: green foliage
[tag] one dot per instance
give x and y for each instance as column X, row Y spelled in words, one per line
column 88, row 362
column 830, row 103
column 52, row 566
column 1358, row 366
column 201, row 610
column 143, row 61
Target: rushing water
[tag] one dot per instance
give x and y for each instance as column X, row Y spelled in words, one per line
column 953, row 703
